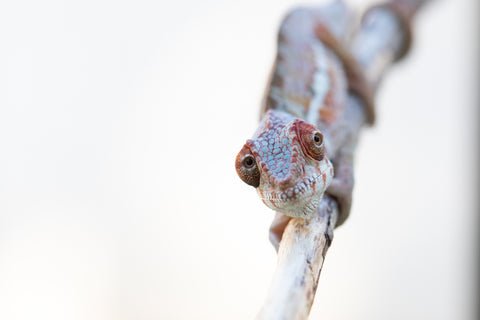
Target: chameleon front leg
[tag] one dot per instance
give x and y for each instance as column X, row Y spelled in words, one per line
column 341, row 187
column 277, row 227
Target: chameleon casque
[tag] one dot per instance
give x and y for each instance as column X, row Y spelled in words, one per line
column 304, row 146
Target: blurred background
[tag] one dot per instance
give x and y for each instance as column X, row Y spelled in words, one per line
column 119, row 125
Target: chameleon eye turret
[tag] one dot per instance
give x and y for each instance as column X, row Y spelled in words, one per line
column 311, row 140
column 247, row 168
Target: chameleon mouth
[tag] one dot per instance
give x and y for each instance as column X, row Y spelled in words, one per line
column 278, row 199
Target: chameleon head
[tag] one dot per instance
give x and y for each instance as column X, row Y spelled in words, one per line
column 285, row 161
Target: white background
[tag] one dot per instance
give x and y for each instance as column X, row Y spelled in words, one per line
column 119, row 125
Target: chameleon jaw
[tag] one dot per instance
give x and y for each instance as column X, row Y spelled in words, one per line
column 300, row 200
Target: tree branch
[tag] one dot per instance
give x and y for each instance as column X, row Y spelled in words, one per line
column 300, row 259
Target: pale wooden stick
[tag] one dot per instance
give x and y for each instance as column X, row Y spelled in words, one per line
column 378, row 43
column 300, row 259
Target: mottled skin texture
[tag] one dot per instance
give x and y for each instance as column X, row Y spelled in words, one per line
column 304, row 127
column 294, row 170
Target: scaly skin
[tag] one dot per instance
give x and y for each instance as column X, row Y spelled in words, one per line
column 304, row 125
column 294, row 172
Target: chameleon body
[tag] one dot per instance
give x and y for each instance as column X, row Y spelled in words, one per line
column 304, row 128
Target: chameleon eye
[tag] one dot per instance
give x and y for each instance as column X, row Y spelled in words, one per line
column 311, row 140
column 248, row 161
column 318, row 138
column 247, row 168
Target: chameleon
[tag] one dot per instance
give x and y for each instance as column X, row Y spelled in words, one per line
column 303, row 146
